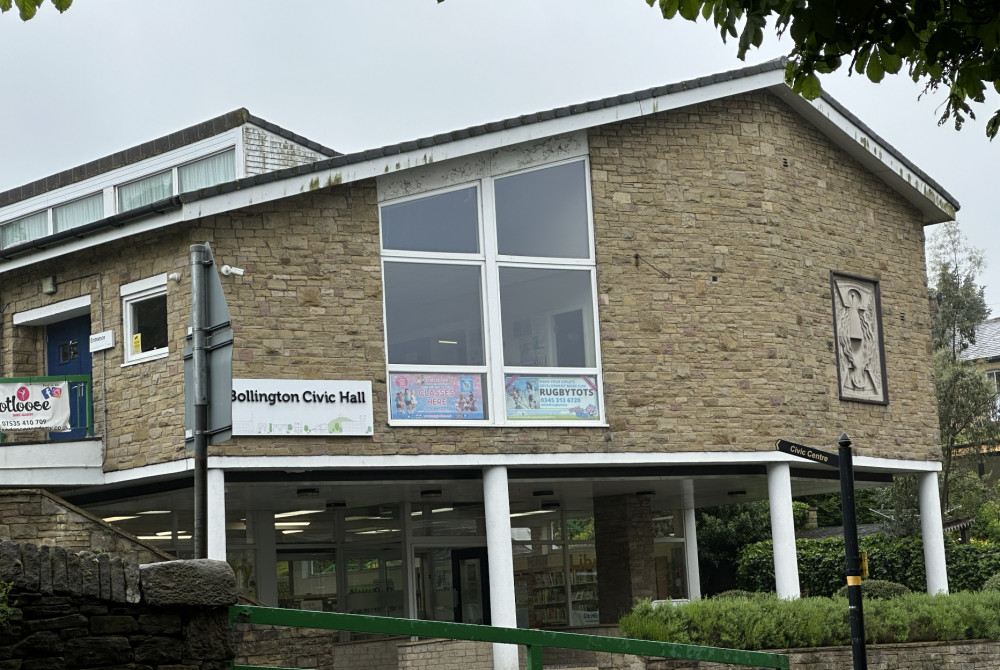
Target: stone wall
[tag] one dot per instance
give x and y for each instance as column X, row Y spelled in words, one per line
column 74, row 610
column 741, row 203
column 38, row 516
column 623, row 526
column 914, row 656
column 277, row 646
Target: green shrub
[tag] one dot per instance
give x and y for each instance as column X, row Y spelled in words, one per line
column 900, row 560
column 734, row 593
column 877, row 589
column 993, row 583
column 762, row 621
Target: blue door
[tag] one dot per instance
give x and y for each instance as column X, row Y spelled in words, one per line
column 68, row 353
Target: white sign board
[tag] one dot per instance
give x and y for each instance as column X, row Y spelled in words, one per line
column 34, row 406
column 102, row 341
column 306, row 407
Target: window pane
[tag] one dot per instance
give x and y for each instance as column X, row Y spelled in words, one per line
column 544, row 213
column 149, row 321
column 79, row 213
column 26, row 228
column 434, row 314
column 547, row 318
column 207, row 172
column 145, row 191
column 447, row 222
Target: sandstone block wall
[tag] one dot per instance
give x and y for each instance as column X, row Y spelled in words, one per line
column 34, row 515
column 744, row 206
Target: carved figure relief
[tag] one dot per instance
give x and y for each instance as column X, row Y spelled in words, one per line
column 857, row 323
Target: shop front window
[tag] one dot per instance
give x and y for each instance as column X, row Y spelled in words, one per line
column 490, row 301
column 668, row 555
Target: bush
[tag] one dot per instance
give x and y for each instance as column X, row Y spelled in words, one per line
column 877, row 589
column 735, row 593
column 900, row 560
column 762, row 621
column 993, row 583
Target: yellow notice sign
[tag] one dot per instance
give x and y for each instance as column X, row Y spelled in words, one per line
column 137, row 343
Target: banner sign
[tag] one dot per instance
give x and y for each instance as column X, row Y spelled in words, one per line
column 307, row 407
column 34, row 406
column 436, row 396
column 551, row 398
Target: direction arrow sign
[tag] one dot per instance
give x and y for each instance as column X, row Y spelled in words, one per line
column 808, row 453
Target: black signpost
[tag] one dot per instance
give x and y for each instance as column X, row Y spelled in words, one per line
column 845, row 461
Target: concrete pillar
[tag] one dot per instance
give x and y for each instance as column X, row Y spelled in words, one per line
column 503, row 612
column 786, row 564
column 623, row 530
column 215, row 514
column 691, row 556
column 933, row 533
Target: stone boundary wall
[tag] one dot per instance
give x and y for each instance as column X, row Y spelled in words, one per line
column 958, row 655
column 37, row 516
column 86, row 610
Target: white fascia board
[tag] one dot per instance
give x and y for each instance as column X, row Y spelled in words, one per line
column 57, row 311
column 873, row 154
column 431, row 461
column 52, row 464
column 150, row 471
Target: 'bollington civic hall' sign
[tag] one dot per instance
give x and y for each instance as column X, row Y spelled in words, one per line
column 306, row 407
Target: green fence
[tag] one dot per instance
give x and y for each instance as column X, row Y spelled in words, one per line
column 534, row 640
column 80, row 397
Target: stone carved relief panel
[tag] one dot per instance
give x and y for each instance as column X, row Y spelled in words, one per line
column 857, row 321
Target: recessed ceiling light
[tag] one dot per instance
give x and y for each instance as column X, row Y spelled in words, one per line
column 301, row 512
column 112, row 519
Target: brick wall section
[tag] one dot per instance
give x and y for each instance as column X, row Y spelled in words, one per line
column 275, row 646
column 74, row 610
column 914, row 656
column 690, row 364
column 33, row 515
column 266, row 152
column 623, row 527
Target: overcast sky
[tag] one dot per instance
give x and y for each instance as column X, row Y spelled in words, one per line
column 109, row 74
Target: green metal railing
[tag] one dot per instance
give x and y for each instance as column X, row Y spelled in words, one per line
column 535, row 640
column 80, row 397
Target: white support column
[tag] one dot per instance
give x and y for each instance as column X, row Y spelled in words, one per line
column 503, row 612
column 691, row 556
column 933, row 532
column 786, row 565
column 216, row 514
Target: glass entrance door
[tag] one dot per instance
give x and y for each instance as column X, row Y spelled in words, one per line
column 452, row 584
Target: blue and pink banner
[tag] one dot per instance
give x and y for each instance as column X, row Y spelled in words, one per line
column 34, row 406
column 551, row 398
column 436, row 396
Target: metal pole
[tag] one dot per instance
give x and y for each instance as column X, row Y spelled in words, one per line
column 851, row 548
column 200, row 259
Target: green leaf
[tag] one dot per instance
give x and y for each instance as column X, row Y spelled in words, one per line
column 27, row 8
column 5, row 5
column 690, row 9
column 890, row 61
column 63, row 5
column 810, row 88
column 668, row 8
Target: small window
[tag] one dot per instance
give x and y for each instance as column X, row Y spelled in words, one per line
column 207, row 172
column 79, row 212
column 145, row 191
column 24, row 229
column 144, row 309
column 446, row 223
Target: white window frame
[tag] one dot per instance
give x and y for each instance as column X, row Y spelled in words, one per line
column 173, row 170
column 131, row 294
column 490, row 262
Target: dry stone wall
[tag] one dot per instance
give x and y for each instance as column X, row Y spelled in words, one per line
column 86, row 610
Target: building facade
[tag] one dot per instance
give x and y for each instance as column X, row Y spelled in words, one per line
column 489, row 376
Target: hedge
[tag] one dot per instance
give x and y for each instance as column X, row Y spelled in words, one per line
column 765, row 622
column 901, row 560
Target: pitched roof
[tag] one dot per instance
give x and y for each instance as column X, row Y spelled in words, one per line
column 160, row 145
column 826, row 114
column 987, row 346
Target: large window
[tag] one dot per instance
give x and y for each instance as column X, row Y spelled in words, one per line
column 490, row 305
column 78, row 213
column 26, row 228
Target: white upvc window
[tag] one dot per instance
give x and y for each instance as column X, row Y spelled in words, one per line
column 26, row 228
column 202, row 173
column 490, row 301
column 144, row 315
